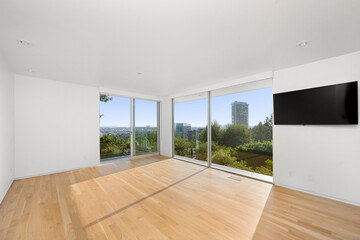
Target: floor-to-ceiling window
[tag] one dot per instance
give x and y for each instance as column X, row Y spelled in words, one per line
column 114, row 126
column 241, row 119
column 190, row 133
column 242, row 130
column 146, row 126
column 128, row 127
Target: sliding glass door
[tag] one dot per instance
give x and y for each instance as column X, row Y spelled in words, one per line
column 190, row 131
column 128, row 127
column 145, row 126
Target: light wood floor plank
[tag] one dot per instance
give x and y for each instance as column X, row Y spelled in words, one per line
column 161, row 198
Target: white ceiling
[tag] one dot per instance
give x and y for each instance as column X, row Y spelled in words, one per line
column 177, row 45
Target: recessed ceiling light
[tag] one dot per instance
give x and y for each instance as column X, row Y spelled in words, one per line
column 24, row 42
column 31, row 70
column 303, row 43
column 139, row 73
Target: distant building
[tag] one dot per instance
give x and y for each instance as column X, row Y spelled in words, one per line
column 183, row 129
column 240, row 113
column 193, row 135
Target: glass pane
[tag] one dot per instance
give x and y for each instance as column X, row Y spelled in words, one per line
column 145, row 126
column 114, row 126
column 241, row 131
column 190, row 120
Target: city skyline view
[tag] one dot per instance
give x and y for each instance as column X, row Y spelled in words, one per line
column 116, row 113
column 195, row 112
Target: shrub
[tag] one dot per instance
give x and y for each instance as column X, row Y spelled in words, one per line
column 241, row 165
column 223, row 157
column 263, row 170
column 256, row 147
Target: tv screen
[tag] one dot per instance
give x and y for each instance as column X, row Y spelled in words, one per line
column 334, row 104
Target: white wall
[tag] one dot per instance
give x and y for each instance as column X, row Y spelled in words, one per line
column 324, row 160
column 56, row 126
column 166, row 127
column 6, row 128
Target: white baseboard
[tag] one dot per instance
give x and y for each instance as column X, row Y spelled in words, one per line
column 4, row 190
column 54, row 172
column 319, row 195
column 71, row 169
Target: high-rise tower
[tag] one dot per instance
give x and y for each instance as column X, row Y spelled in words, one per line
column 240, row 113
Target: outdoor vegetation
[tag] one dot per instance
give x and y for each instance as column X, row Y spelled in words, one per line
column 145, row 141
column 234, row 146
column 114, row 146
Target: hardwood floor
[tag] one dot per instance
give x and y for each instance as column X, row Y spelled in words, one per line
column 160, row 198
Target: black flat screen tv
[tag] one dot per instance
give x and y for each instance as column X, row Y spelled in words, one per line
column 334, row 104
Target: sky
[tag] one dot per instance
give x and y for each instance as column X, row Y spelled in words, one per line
column 195, row 112
column 117, row 112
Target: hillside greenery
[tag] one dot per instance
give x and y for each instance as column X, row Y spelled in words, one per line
column 234, row 146
column 115, row 146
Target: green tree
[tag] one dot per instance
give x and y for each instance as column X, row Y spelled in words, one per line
column 153, row 137
column 201, row 151
column 105, row 98
column 263, row 131
column 142, row 144
column 181, row 146
column 235, row 135
column 203, row 135
column 106, row 139
column 215, row 133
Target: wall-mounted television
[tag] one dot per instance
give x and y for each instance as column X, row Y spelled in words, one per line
column 333, row 104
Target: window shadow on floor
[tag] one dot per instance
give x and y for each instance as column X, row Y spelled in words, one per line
column 143, row 199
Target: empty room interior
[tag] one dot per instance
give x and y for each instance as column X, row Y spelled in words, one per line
column 179, row 119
